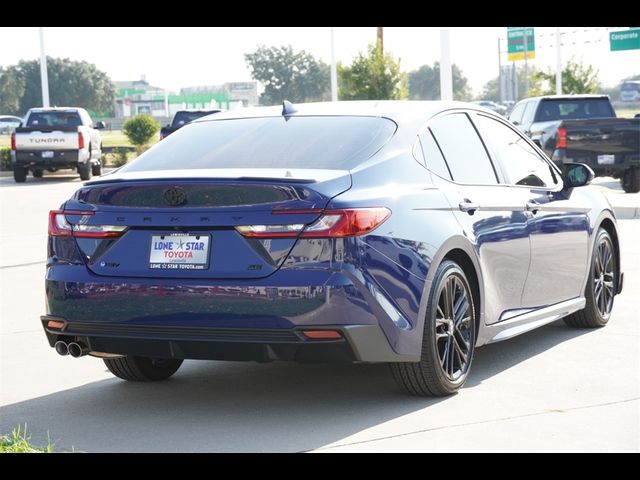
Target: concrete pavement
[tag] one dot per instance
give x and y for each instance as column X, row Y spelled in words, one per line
column 553, row 389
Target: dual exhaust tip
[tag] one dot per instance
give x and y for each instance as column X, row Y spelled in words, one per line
column 76, row 350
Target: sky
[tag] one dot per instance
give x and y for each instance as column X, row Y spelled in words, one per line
column 176, row 57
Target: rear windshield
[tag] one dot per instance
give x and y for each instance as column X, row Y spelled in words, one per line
column 574, row 109
column 630, row 87
column 335, row 143
column 54, row 119
column 182, row 118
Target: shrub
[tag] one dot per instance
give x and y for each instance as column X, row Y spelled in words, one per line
column 5, row 158
column 140, row 130
column 120, row 156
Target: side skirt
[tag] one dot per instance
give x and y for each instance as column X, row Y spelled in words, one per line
column 528, row 321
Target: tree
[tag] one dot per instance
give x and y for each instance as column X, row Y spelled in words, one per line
column 71, row 83
column 576, row 78
column 11, row 91
column 140, row 129
column 288, row 75
column 374, row 76
column 424, row 83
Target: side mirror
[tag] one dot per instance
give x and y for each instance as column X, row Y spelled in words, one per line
column 577, row 175
column 100, row 125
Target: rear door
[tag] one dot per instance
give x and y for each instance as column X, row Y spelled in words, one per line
column 558, row 225
column 492, row 216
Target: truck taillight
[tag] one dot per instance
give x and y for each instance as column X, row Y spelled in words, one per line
column 13, row 140
column 80, row 140
column 561, row 141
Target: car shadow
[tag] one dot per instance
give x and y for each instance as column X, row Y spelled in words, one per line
column 238, row 407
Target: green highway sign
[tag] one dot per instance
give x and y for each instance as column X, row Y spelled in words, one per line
column 515, row 43
column 625, row 39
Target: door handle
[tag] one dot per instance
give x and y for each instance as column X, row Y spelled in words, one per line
column 532, row 206
column 468, row 206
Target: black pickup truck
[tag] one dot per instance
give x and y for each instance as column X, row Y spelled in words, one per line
column 583, row 129
column 181, row 118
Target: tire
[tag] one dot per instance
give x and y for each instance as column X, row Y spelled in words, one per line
column 631, row 180
column 439, row 373
column 96, row 169
column 37, row 173
column 601, row 286
column 85, row 171
column 142, row 369
column 19, row 174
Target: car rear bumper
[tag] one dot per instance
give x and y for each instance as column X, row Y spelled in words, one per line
column 260, row 319
column 60, row 158
column 358, row 343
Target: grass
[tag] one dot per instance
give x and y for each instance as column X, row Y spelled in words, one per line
column 18, row 441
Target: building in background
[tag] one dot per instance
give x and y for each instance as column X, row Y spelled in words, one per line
column 136, row 97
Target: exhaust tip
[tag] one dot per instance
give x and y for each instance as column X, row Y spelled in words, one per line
column 76, row 350
column 61, row 348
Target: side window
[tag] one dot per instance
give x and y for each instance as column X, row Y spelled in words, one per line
column 516, row 114
column 527, row 116
column 522, row 164
column 463, row 150
column 433, row 156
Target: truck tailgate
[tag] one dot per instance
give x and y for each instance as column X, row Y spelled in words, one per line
column 57, row 139
column 586, row 139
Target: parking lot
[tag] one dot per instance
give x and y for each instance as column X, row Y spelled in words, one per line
column 553, row 389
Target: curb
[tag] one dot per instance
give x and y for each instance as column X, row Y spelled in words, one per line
column 627, row 213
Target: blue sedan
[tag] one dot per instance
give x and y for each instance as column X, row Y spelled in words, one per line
column 408, row 233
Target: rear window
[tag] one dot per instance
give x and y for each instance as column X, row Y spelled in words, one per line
column 54, row 119
column 182, row 118
column 574, row 109
column 335, row 143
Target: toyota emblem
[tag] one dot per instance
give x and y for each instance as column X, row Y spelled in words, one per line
column 175, row 196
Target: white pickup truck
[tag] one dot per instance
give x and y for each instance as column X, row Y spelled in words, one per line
column 56, row 138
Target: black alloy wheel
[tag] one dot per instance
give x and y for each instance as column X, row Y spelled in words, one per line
column 448, row 339
column 601, row 287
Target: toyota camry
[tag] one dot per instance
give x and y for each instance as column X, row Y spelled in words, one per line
column 406, row 233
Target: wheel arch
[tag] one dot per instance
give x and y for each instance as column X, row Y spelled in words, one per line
column 461, row 251
column 608, row 224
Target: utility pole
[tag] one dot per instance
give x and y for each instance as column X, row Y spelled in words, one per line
column 500, row 92
column 526, row 67
column 558, row 64
column 380, row 41
column 446, row 76
column 334, row 71
column 44, row 79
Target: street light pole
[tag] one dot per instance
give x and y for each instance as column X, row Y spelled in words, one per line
column 558, row 64
column 446, row 76
column 44, row 79
column 334, row 71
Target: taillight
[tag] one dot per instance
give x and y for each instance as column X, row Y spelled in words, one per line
column 349, row 222
column 80, row 140
column 60, row 227
column 13, row 140
column 561, row 142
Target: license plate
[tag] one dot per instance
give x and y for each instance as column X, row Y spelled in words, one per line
column 606, row 159
column 47, row 154
column 179, row 252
